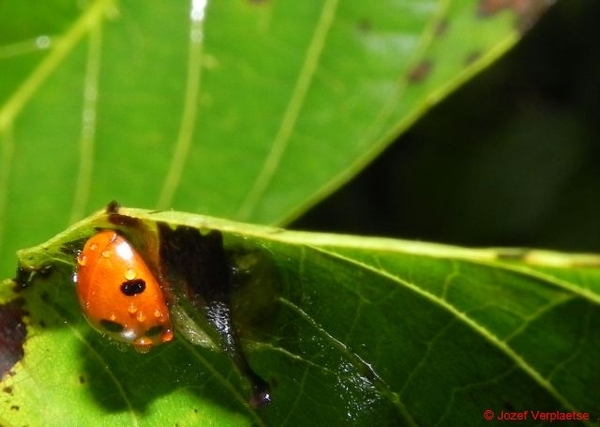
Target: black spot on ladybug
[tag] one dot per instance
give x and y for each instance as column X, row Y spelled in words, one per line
column 420, row 72
column 154, row 331
column 8, row 390
column 110, row 326
column 81, row 379
column 133, row 287
column 15, row 407
column 12, row 335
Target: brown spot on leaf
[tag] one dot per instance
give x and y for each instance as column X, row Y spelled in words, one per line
column 12, row 335
column 472, row 57
column 491, row 7
column 527, row 12
column 420, row 72
column 442, row 28
column 364, row 25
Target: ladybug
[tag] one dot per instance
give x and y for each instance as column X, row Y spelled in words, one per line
column 119, row 294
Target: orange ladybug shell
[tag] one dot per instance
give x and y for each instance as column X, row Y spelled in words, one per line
column 118, row 293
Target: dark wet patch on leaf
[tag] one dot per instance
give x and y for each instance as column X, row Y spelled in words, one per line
column 527, row 12
column 198, row 263
column 13, row 332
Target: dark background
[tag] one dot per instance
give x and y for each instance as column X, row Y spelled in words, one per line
column 512, row 158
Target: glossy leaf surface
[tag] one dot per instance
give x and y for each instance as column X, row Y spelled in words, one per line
column 358, row 330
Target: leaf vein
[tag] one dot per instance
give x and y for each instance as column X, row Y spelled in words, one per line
column 190, row 105
column 88, row 124
column 292, row 111
column 62, row 47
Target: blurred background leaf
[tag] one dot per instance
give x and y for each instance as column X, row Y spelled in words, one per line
column 511, row 158
column 248, row 110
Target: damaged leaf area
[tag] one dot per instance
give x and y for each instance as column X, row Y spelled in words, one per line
column 12, row 335
column 334, row 329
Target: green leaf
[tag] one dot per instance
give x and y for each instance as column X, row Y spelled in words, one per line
column 250, row 110
column 359, row 330
column 254, row 111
